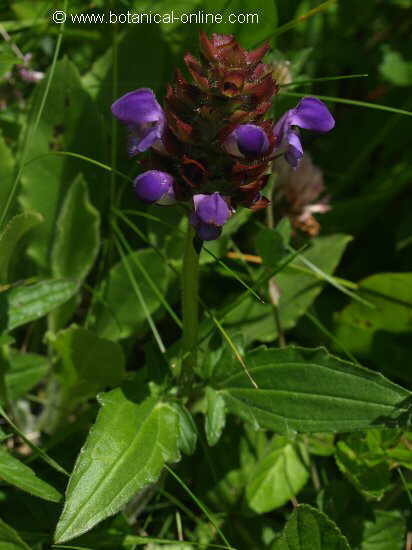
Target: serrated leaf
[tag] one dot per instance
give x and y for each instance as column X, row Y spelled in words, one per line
column 10, row 539
column 126, row 450
column 120, row 311
column 309, row 529
column 24, row 304
column 77, row 239
column 309, row 390
column 215, row 418
column 89, row 364
column 16, row 473
column 387, row 532
column 13, row 232
column 276, row 478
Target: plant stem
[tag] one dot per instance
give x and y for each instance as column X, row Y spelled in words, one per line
column 190, row 309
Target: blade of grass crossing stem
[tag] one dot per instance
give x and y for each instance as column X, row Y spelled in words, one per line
column 140, row 296
column 86, row 159
column 355, row 102
column 34, row 447
column 322, row 79
column 331, row 336
column 32, row 130
column 333, row 281
column 147, row 277
column 200, row 505
column 235, row 276
column 314, row 11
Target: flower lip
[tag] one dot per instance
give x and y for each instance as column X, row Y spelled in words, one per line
column 211, row 209
column 142, row 114
column 154, row 186
column 250, row 140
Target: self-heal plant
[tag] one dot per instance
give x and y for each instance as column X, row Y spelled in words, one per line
column 212, row 146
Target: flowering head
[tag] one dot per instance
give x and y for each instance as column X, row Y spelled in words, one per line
column 212, row 144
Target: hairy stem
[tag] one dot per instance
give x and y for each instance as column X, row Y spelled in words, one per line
column 190, row 309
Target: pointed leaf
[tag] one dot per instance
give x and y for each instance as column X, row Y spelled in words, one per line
column 125, row 451
column 309, row 529
column 77, row 240
column 215, row 416
column 309, row 390
column 16, row 473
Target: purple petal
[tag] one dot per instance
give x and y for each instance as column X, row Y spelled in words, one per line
column 311, row 114
column 205, row 231
column 211, row 209
column 153, row 185
column 250, row 140
column 137, row 107
column 294, row 151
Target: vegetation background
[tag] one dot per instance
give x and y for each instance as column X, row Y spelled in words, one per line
column 90, row 295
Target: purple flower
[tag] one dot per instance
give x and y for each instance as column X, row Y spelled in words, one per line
column 155, row 186
column 210, row 214
column 247, row 140
column 142, row 114
column 311, row 114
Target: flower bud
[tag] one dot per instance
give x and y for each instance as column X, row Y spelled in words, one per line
column 210, row 213
column 155, row 186
column 247, row 140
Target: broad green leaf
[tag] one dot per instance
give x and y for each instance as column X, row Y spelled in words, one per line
column 25, row 371
column 7, row 61
column 395, row 68
column 298, row 290
column 215, row 418
column 309, row 529
column 10, row 539
column 13, row 232
column 119, row 312
column 187, row 429
column 125, row 451
column 77, row 239
column 23, row 304
column 391, row 296
column 271, row 246
column 368, row 471
column 309, row 390
column 276, row 478
column 387, row 532
column 16, row 473
column 70, row 122
column 89, row 364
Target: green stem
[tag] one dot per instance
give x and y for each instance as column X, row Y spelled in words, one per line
column 190, row 309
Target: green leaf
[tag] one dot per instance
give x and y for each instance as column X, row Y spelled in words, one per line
column 7, row 171
column 77, row 239
column 28, row 303
column 125, row 451
column 215, row 418
column 25, row 371
column 391, row 296
column 120, row 312
column 309, row 529
column 7, row 61
column 10, row 539
column 309, row 390
column 13, row 232
column 277, row 477
column 16, row 473
column 394, row 67
column 298, row 290
column 369, row 472
column 187, row 429
column 70, row 122
column 271, row 245
column 89, row 364
column 387, row 532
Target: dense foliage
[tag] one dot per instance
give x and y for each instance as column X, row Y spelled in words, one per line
column 270, row 407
